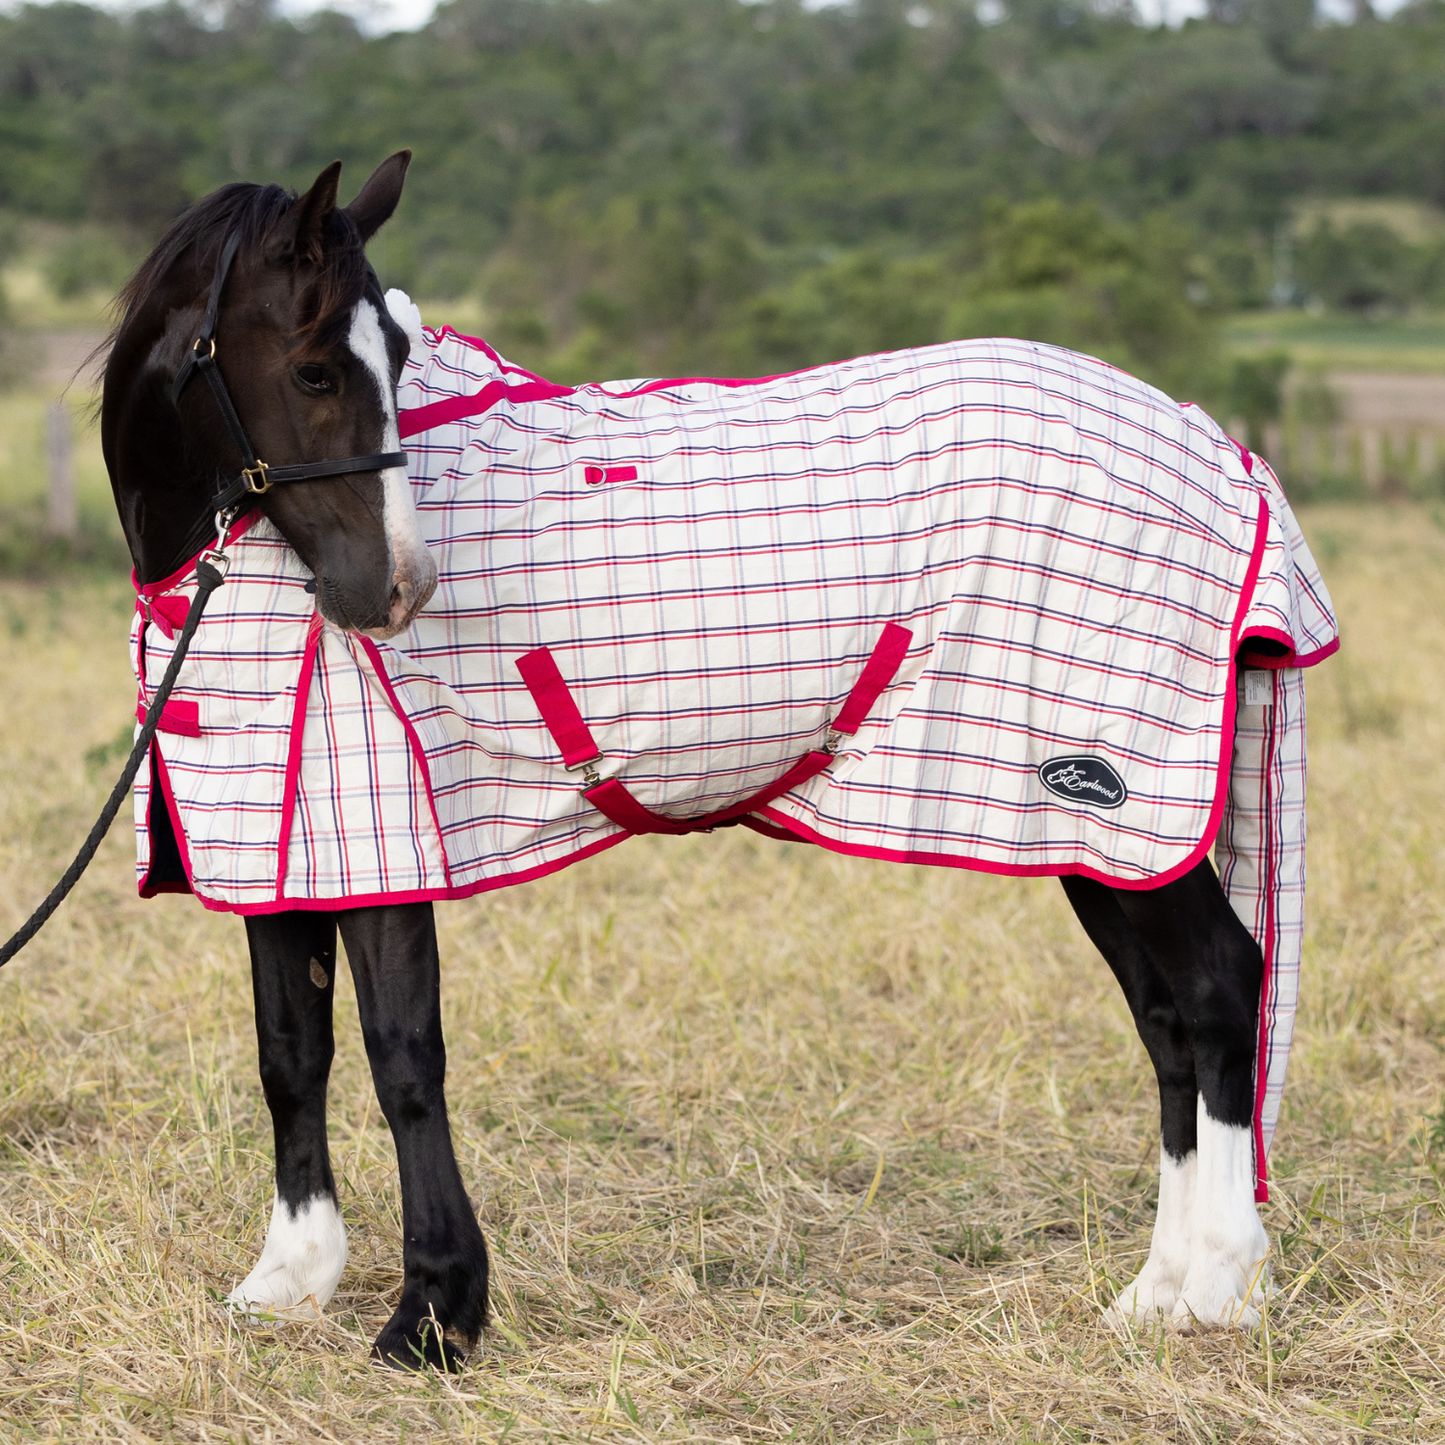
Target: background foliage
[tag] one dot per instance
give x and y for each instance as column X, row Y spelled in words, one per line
column 635, row 186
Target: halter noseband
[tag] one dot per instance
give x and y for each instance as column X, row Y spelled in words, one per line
column 256, row 477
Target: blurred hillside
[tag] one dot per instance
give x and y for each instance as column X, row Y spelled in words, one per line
column 643, row 186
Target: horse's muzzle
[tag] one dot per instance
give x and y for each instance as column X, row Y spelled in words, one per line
column 411, row 589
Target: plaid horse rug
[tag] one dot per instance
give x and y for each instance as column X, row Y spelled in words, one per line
column 977, row 604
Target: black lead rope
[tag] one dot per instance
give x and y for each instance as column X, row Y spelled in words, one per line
column 209, row 576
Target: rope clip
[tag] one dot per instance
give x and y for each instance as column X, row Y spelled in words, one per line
column 216, row 555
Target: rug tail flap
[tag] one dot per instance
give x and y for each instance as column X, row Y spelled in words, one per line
column 1260, row 854
column 1291, row 604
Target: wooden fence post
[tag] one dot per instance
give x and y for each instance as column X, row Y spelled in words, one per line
column 61, row 516
column 1371, row 459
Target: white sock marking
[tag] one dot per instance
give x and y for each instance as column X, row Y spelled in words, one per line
column 411, row 563
column 1228, row 1247
column 304, row 1256
column 1155, row 1291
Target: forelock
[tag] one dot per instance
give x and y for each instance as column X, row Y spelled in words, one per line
column 337, row 280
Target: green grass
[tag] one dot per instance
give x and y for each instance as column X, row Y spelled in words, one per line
column 1342, row 343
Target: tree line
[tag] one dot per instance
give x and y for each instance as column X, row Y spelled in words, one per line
column 645, row 186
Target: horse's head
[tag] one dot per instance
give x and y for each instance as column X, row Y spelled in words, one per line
column 310, row 356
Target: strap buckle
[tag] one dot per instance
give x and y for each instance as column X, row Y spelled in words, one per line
column 832, row 742
column 249, row 476
column 199, row 351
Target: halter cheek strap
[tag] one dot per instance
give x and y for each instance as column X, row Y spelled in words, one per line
column 256, row 477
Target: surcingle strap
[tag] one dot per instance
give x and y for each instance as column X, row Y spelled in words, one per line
column 610, row 796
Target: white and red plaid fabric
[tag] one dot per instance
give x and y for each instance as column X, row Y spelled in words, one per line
column 710, row 564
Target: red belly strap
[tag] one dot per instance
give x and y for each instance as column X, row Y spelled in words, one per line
column 579, row 749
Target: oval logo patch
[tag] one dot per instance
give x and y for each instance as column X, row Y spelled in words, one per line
column 1082, row 779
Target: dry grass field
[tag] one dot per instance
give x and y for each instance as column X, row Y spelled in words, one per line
column 768, row 1144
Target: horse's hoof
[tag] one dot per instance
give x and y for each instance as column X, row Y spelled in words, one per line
column 259, row 1312
column 416, row 1344
column 1148, row 1300
column 1228, row 1313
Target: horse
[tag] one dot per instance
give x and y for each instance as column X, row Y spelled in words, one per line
column 308, row 355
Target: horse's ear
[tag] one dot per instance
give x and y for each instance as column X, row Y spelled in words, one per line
column 378, row 197
column 298, row 237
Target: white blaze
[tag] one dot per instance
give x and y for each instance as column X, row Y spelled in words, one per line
column 410, row 561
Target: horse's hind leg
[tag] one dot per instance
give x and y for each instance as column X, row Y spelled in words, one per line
column 1156, row 1289
column 293, row 969
column 392, row 951
column 1212, row 970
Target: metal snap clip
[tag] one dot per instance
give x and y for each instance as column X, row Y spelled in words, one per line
column 588, row 769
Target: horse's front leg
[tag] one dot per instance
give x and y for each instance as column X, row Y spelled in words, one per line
column 392, row 951
column 293, row 971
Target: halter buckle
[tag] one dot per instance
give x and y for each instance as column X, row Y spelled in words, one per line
column 199, row 345
column 255, row 478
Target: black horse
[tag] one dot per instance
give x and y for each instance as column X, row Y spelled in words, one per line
column 311, row 356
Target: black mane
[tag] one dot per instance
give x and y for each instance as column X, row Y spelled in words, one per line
column 341, row 270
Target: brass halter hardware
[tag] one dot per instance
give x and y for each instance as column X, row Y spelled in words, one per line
column 257, row 482
column 256, row 477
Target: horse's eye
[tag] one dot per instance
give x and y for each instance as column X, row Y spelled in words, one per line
column 313, row 377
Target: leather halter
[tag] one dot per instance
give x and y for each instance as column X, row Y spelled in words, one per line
column 256, row 477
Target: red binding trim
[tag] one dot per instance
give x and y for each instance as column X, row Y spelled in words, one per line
column 1267, row 948
column 147, row 889
column 575, row 741
column 1277, row 662
column 183, row 573
column 417, row 751
column 292, row 784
